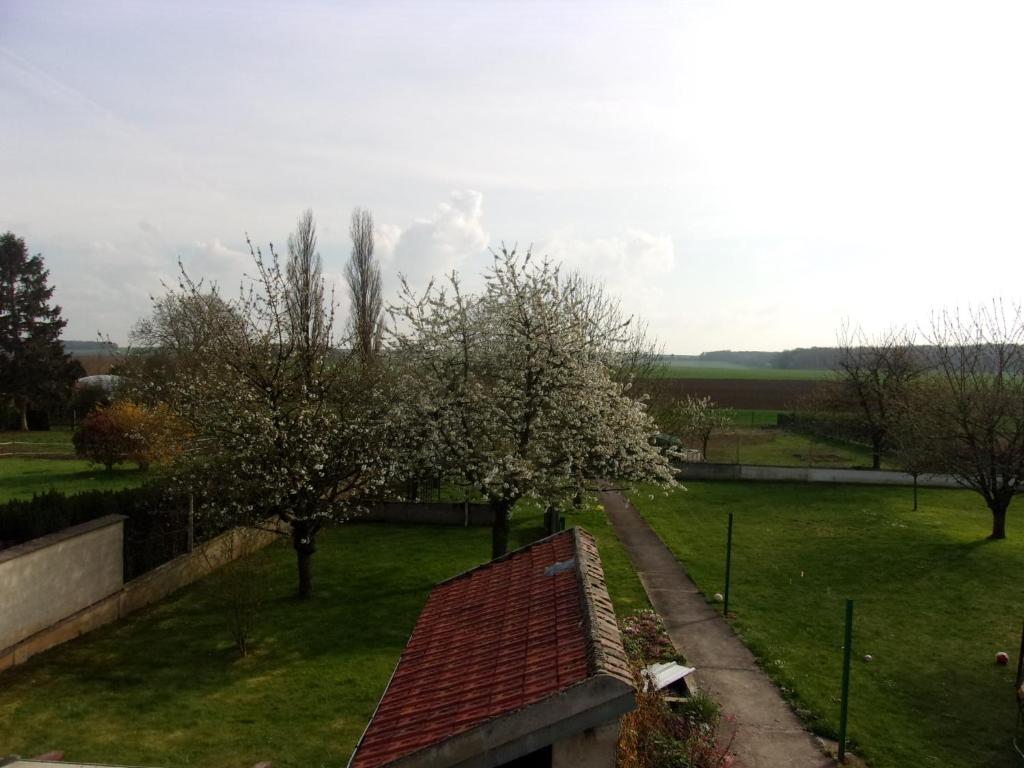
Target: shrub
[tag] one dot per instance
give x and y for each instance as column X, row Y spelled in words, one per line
column 658, row 734
column 101, row 439
column 127, row 431
column 645, row 638
column 240, row 590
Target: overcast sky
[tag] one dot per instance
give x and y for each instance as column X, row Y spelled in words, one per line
column 744, row 175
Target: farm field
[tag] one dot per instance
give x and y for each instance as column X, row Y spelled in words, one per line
column 693, row 369
column 748, row 394
column 934, row 602
column 165, row 687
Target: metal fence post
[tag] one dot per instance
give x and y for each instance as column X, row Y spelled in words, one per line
column 844, row 705
column 728, row 568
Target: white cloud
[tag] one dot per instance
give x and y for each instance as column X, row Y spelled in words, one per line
column 432, row 247
column 632, row 266
column 216, row 262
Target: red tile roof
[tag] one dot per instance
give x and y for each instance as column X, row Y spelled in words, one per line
column 494, row 640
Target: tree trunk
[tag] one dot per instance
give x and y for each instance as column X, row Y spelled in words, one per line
column 24, row 416
column 499, row 530
column 304, row 543
column 876, row 453
column 998, row 522
column 915, row 491
column 704, row 449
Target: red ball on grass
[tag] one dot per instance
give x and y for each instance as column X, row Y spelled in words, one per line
column 1002, row 658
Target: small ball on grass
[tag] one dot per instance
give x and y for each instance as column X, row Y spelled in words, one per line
column 718, row 597
column 1002, row 658
column 868, row 657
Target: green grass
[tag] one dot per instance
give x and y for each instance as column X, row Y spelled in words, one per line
column 58, row 436
column 689, row 369
column 749, row 417
column 57, row 441
column 164, row 687
column 934, row 602
column 21, row 478
column 780, row 447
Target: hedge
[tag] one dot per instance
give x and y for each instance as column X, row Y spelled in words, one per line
column 155, row 531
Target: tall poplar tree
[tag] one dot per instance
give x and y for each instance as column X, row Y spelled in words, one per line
column 34, row 369
column 362, row 272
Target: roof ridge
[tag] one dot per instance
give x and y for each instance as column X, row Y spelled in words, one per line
column 502, row 558
column 605, row 652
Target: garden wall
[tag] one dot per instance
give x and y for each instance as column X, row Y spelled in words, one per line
column 44, row 580
column 708, row 471
column 130, row 597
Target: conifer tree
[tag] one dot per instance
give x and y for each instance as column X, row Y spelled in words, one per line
column 34, row 369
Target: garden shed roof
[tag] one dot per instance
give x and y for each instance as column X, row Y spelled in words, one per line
column 504, row 660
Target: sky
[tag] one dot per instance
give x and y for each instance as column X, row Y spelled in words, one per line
column 743, row 175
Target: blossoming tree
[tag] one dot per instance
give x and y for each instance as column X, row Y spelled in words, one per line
column 285, row 429
column 512, row 392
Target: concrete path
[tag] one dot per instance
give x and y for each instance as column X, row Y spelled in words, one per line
column 768, row 733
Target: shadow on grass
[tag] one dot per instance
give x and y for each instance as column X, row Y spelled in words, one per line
column 317, row 669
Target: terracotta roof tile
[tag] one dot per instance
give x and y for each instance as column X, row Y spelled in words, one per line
column 494, row 640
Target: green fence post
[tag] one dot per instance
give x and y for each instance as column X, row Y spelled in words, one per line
column 844, row 705
column 728, row 568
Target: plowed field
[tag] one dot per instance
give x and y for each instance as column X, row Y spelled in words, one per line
column 784, row 395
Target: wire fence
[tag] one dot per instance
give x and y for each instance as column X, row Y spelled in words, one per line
column 146, row 549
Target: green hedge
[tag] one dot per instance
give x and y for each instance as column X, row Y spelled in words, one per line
column 155, row 531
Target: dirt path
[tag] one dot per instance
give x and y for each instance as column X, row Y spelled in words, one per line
column 768, row 734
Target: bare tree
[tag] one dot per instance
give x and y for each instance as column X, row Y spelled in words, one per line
column 875, row 375
column 971, row 412
column 362, row 273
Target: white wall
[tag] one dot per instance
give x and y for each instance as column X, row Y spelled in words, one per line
column 47, row 579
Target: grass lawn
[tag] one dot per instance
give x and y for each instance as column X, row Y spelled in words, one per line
column 58, row 436
column 56, row 441
column 780, row 447
column 165, row 687
column 934, row 602
column 751, row 417
column 20, row 478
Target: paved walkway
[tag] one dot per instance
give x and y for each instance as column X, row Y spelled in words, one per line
column 768, row 733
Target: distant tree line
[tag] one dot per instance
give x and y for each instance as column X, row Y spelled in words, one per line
column 801, row 358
